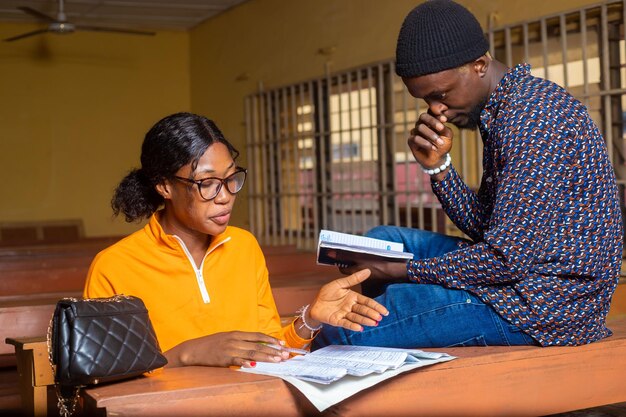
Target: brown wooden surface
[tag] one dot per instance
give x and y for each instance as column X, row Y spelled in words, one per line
column 618, row 303
column 56, row 271
column 84, row 245
column 489, row 381
column 209, row 391
column 296, row 278
column 23, row 321
column 498, row 381
column 35, row 374
column 27, row 282
column 34, row 278
column 10, row 400
column 62, row 268
column 34, row 271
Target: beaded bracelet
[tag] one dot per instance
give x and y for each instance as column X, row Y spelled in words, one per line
column 302, row 313
column 441, row 168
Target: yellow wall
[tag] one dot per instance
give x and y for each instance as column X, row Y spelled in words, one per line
column 73, row 112
column 276, row 42
column 74, row 109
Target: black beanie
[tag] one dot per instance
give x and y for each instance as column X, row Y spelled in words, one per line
column 438, row 35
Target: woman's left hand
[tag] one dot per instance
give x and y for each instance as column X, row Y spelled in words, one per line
column 338, row 305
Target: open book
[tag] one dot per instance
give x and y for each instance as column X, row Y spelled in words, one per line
column 336, row 248
column 333, row 373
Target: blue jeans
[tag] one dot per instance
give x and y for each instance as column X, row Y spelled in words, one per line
column 424, row 315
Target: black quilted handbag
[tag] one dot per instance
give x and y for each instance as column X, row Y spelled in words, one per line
column 98, row 340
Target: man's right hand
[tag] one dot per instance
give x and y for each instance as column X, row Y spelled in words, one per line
column 430, row 140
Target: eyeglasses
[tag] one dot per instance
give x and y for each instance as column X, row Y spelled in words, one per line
column 210, row 187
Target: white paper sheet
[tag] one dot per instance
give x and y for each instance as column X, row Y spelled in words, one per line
column 334, row 373
column 324, row 396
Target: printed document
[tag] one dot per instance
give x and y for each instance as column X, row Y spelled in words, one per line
column 334, row 373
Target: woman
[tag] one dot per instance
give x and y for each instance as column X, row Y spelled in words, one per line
column 205, row 283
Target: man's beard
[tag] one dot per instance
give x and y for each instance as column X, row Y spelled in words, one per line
column 473, row 117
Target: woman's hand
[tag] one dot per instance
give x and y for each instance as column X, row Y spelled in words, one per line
column 338, row 305
column 226, row 349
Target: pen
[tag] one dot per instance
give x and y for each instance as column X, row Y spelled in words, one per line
column 288, row 349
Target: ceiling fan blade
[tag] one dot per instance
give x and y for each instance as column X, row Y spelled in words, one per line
column 26, row 35
column 37, row 14
column 117, row 30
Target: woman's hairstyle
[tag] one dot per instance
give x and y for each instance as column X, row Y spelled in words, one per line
column 173, row 142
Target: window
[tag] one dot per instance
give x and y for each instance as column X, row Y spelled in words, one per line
column 331, row 153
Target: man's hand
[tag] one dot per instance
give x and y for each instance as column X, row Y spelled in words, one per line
column 430, row 140
column 352, row 262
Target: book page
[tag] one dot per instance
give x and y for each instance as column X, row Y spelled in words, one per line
column 356, row 240
column 364, row 249
column 360, row 354
column 336, row 248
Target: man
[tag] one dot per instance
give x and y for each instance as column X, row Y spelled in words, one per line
column 545, row 225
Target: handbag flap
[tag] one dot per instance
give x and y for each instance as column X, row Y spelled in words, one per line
column 105, row 306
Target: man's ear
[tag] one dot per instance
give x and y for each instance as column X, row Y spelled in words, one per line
column 163, row 188
column 481, row 65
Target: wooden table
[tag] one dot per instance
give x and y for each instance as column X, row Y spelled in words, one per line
column 195, row 390
column 484, row 381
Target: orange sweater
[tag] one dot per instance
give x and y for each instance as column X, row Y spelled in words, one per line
column 230, row 291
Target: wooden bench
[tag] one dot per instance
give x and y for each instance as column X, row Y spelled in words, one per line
column 47, row 268
column 41, row 232
column 24, row 318
column 35, row 374
column 294, row 276
column 45, row 272
column 34, row 278
column 483, row 381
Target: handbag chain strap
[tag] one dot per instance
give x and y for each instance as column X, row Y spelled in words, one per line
column 67, row 406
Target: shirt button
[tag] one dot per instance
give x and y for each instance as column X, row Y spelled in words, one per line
column 488, row 179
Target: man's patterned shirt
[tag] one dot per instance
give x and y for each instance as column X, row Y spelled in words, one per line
column 545, row 222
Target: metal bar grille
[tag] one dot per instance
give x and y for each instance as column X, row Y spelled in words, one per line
column 332, row 152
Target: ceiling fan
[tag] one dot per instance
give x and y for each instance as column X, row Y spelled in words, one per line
column 62, row 26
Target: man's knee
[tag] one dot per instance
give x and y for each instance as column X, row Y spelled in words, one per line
column 380, row 232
